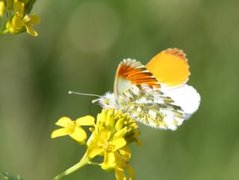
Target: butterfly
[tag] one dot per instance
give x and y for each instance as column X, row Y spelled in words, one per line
column 156, row 94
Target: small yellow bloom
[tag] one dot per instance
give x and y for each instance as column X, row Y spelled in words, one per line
column 119, row 161
column 2, row 8
column 29, row 22
column 73, row 128
column 21, row 21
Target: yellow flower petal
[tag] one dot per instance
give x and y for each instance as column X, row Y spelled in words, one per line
column 110, row 120
column 119, row 124
column 34, row 19
column 118, row 143
column 121, row 133
column 105, row 135
column 59, row 132
column 79, row 135
column 119, row 174
column 109, row 161
column 125, row 152
column 31, row 31
column 64, row 122
column 92, row 152
column 92, row 141
column 101, row 117
column 17, row 23
column 2, row 8
column 9, row 27
column 86, row 121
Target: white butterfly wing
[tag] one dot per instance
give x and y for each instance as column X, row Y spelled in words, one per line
column 151, row 107
column 186, row 97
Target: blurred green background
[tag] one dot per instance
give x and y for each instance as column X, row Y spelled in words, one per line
column 79, row 46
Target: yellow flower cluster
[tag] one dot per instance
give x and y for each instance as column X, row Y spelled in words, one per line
column 110, row 136
column 17, row 18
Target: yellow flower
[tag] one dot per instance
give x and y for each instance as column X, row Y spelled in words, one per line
column 73, row 128
column 21, row 21
column 2, row 8
column 112, row 133
column 110, row 137
column 113, row 130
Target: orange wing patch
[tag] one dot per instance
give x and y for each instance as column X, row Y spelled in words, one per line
column 136, row 73
column 170, row 67
column 132, row 72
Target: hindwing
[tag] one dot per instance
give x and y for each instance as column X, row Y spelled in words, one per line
column 151, row 107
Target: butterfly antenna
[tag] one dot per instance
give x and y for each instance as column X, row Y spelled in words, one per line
column 83, row 94
column 87, row 94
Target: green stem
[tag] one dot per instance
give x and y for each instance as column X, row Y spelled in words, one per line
column 85, row 160
column 93, row 163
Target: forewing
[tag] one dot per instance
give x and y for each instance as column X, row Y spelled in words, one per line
column 131, row 72
column 151, row 107
column 170, row 67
